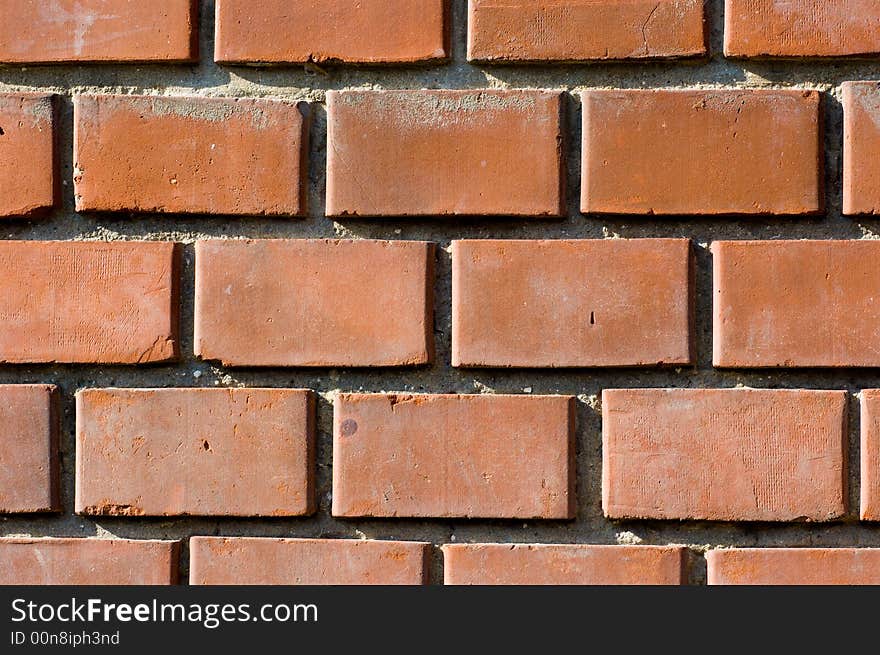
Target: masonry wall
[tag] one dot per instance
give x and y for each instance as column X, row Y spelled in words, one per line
column 637, row 134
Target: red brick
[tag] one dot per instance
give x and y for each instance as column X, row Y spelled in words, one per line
column 794, row 566
column 88, row 562
column 199, row 452
column 41, row 32
column 870, row 455
column 88, row 302
column 250, row 561
column 861, row 140
column 453, row 456
column 354, row 31
column 796, row 303
column 314, row 302
column 569, row 564
column 571, row 303
column 801, row 28
column 583, row 30
column 29, row 448
column 190, row 155
column 426, row 153
column 702, row 152
column 28, row 166
column 724, row 454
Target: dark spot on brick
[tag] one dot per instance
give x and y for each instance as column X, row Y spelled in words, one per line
column 349, row 427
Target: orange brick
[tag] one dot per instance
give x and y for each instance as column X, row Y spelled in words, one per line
column 88, row 302
column 583, row 30
column 88, row 562
column 29, row 448
column 794, row 566
column 353, row 31
column 41, row 32
column 870, row 455
column 28, row 167
column 314, row 302
column 569, row 564
column 571, row 303
column 453, row 456
column 861, row 139
column 198, row 452
column 801, row 28
column 190, row 155
column 724, row 454
column 250, row 561
column 796, row 303
column 426, row 153
column 702, row 152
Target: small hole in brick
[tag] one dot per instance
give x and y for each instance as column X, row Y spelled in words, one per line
column 592, row 318
column 206, row 445
column 2, row 132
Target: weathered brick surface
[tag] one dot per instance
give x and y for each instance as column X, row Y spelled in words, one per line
column 768, row 296
column 870, row 455
column 28, row 171
column 88, row 302
column 583, row 30
column 240, row 156
column 29, row 448
column 794, row 566
column 424, row 153
column 88, row 562
column 43, row 31
column 250, row 561
column 861, row 139
column 314, row 302
column 453, row 456
column 689, row 151
column 723, row 454
column 801, row 28
column 569, row 564
column 199, row 452
column 585, row 303
column 351, row 31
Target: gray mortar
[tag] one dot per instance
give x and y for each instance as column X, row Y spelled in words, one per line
column 310, row 83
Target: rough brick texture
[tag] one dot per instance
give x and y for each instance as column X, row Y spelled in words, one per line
column 723, row 455
column 204, row 452
column 424, row 153
column 801, row 28
column 88, row 302
column 88, row 562
column 794, row 566
column 314, row 302
column 870, row 455
column 570, row 564
column 28, row 172
column 29, row 448
column 351, row 31
column 701, row 152
column 571, row 303
column 861, row 140
column 44, row 31
column 215, row 156
column 244, row 561
column 796, row 303
column 453, row 456
column 583, row 30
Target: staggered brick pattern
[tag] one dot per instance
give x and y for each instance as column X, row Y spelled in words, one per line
column 423, row 291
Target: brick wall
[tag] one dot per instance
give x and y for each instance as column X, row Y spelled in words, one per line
column 409, row 291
